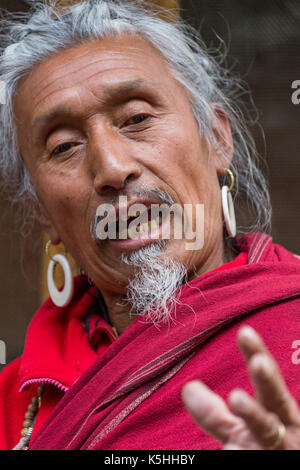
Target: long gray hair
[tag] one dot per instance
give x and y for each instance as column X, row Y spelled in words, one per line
column 29, row 38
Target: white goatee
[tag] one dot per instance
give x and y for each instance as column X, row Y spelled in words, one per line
column 151, row 291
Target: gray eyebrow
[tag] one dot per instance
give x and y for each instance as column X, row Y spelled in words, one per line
column 127, row 87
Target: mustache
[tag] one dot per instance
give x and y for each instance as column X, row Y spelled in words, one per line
column 158, row 194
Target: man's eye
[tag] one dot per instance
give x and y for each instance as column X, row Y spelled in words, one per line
column 62, row 148
column 138, row 119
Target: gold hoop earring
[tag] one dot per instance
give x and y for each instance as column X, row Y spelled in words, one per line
column 229, row 172
column 47, row 249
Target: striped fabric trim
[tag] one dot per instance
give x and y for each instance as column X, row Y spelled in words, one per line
column 259, row 244
column 169, row 358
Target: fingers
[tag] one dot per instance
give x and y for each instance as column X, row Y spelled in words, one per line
column 250, row 342
column 257, row 423
column 209, row 410
column 271, row 390
column 263, row 425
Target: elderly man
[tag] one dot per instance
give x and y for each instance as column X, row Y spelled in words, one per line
column 109, row 106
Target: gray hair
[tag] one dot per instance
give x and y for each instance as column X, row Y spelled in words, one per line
column 44, row 30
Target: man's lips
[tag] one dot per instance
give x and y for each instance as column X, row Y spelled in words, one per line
column 123, row 215
column 140, row 239
column 135, row 221
column 124, row 211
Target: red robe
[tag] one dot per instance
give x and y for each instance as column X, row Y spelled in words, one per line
column 60, row 345
column 130, row 397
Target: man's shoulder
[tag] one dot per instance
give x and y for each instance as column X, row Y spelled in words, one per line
column 9, row 375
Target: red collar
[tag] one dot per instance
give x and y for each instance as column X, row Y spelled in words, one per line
column 57, row 348
column 240, row 260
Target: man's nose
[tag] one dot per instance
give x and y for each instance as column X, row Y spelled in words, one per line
column 112, row 162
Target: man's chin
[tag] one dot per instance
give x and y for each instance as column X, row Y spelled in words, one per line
column 150, row 291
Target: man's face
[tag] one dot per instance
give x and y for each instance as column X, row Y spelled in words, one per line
column 107, row 119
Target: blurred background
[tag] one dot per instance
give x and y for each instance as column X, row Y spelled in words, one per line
column 263, row 42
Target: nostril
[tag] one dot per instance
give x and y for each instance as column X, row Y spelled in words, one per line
column 106, row 188
column 129, row 177
column 117, row 184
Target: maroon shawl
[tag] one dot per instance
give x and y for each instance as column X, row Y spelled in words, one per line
column 130, row 398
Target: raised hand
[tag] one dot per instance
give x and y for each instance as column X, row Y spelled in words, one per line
column 271, row 420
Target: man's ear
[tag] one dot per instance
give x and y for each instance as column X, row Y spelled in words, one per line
column 45, row 222
column 222, row 131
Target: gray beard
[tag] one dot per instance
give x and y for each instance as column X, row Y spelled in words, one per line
column 151, row 291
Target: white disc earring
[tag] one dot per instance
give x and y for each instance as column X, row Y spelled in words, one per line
column 63, row 297
column 228, row 207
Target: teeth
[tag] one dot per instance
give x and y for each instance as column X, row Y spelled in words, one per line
column 132, row 233
column 123, row 234
column 141, row 229
column 144, row 228
column 125, row 217
column 153, row 224
column 158, row 219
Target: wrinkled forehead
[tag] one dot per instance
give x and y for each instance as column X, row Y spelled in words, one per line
column 96, row 65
